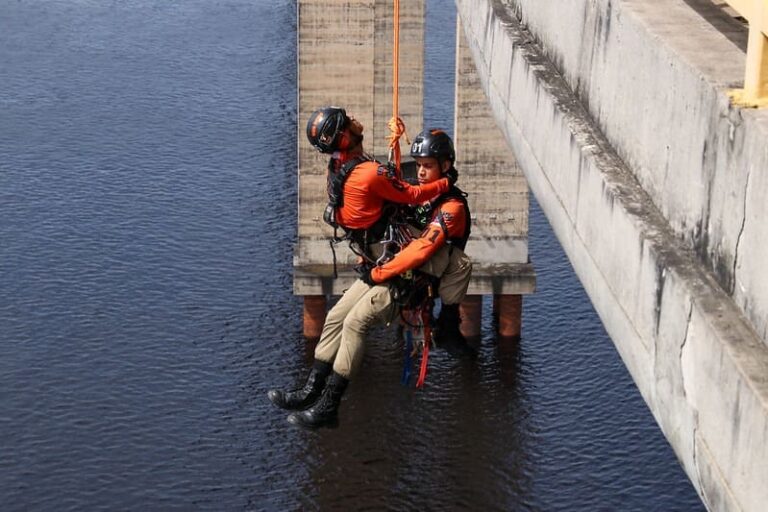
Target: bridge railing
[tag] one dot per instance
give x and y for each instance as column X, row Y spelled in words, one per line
column 755, row 92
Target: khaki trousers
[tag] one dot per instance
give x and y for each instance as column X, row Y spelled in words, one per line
column 343, row 337
column 342, row 341
column 454, row 268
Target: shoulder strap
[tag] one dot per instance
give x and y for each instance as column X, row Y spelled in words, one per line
column 335, row 186
column 455, row 193
column 336, row 179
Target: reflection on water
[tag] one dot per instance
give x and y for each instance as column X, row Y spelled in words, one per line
column 147, row 198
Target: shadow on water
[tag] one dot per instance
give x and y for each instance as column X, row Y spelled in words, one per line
column 459, row 443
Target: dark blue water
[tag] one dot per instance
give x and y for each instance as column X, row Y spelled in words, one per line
column 147, row 216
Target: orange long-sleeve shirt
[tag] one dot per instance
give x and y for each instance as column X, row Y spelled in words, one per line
column 416, row 253
column 370, row 185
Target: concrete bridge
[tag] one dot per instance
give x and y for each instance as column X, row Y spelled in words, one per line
column 620, row 115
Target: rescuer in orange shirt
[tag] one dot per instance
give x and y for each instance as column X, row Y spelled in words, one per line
column 439, row 250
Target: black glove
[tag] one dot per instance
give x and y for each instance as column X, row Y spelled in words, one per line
column 362, row 267
column 365, row 276
column 452, row 175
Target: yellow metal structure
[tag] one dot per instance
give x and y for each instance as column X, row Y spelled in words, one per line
column 755, row 92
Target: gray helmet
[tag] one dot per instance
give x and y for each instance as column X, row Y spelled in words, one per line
column 325, row 127
column 433, row 143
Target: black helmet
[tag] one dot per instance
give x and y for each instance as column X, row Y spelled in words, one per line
column 433, row 143
column 324, row 128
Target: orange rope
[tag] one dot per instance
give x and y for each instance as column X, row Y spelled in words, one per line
column 427, row 331
column 396, row 125
column 396, row 59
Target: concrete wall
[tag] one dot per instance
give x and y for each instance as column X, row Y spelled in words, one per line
column 617, row 113
column 653, row 76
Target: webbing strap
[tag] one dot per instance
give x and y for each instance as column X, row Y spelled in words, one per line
column 333, row 251
column 407, row 360
column 419, row 318
column 425, row 316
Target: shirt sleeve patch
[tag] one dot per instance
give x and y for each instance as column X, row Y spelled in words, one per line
column 391, row 176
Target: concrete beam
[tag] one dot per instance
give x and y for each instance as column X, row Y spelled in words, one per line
column 697, row 358
column 509, row 279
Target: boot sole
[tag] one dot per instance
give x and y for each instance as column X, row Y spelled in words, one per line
column 276, row 398
column 296, row 421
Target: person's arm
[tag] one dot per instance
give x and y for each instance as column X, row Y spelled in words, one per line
column 434, row 236
column 392, row 189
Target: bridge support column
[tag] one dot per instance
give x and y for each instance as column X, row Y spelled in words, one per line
column 508, row 312
column 345, row 59
column 471, row 311
column 314, row 315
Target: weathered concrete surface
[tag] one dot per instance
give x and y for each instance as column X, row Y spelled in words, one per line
column 699, row 159
column 498, row 192
column 655, row 186
column 345, row 59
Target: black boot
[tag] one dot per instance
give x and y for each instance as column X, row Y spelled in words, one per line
column 448, row 335
column 324, row 412
column 305, row 396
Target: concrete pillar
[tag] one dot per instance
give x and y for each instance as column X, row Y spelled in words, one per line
column 508, row 310
column 345, row 59
column 314, row 315
column 471, row 312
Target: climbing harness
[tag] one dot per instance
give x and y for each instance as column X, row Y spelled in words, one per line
column 413, row 291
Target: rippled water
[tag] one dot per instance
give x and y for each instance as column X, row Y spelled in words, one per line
column 147, row 206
